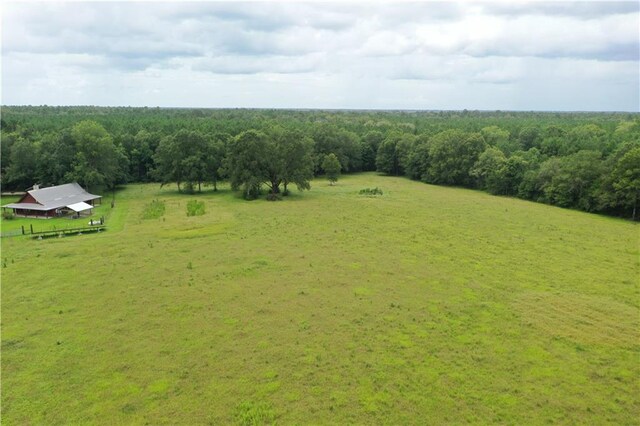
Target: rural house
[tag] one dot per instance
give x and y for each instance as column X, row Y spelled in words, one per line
column 54, row 201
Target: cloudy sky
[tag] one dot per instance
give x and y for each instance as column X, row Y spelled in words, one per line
column 368, row 55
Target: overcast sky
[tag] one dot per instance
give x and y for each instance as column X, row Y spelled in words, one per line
column 580, row 56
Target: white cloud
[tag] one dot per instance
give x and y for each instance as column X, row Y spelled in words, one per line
column 364, row 55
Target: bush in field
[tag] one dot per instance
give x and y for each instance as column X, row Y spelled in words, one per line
column 370, row 191
column 154, row 210
column 195, row 208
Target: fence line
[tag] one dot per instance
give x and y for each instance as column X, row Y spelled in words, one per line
column 95, row 226
column 13, row 233
column 68, row 231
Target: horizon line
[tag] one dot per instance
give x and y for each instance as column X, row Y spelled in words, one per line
column 413, row 110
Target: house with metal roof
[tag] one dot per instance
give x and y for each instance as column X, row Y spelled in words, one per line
column 54, row 201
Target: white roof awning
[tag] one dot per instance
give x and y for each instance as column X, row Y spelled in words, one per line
column 80, row 207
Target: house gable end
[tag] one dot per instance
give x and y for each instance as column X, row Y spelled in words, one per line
column 28, row 198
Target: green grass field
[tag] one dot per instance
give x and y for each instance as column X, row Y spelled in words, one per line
column 426, row 305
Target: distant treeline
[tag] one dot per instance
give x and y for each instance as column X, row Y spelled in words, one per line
column 587, row 161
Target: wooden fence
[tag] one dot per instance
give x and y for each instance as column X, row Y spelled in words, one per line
column 67, row 231
column 94, row 226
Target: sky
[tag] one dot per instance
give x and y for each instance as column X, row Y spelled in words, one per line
column 549, row 56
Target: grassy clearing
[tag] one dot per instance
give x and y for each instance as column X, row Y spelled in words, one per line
column 422, row 306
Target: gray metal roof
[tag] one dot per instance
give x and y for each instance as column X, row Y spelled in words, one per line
column 55, row 197
column 27, row 206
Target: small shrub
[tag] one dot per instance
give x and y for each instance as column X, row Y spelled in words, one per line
column 195, row 208
column 154, row 210
column 8, row 215
column 371, row 191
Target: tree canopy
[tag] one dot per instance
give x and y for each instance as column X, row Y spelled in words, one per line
column 280, row 157
column 97, row 162
column 569, row 159
column 331, row 167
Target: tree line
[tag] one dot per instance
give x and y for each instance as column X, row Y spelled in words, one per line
column 585, row 161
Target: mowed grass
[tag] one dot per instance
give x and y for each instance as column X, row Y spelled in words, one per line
column 425, row 305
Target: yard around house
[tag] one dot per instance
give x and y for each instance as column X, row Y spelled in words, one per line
column 425, row 305
column 41, row 225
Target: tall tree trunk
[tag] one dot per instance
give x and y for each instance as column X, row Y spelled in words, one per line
column 275, row 186
column 215, row 185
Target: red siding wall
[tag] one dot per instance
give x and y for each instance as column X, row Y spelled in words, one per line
column 27, row 198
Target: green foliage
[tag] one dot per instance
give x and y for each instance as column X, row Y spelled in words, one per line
column 529, row 137
column 452, row 154
column 370, row 143
column 331, row 166
column 104, row 147
column 371, row 191
column 626, row 180
column 22, row 170
column 417, row 164
column 189, row 158
column 140, row 149
column 501, row 139
column 154, row 210
column 509, row 176
column 293, row 152
column 387, row 158
column 98, row 162
column 394, row 152
column 195, row 208
column 280, row 157
column 589, row 137
column 247, row 161
column 494, row 135
column 346, row 145
column 487, row 169
column 56, row 156
column 571, row 181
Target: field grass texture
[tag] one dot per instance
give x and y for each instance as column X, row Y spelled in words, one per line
column 425, row 305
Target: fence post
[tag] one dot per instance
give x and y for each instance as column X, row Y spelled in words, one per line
column 22, row 229
column 31, row 225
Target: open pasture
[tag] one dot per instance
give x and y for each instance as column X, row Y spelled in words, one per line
column 425, row 305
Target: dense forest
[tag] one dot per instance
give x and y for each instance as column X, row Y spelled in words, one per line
column 586, row 161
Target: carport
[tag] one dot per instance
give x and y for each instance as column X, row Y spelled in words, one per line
column 80, row 207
